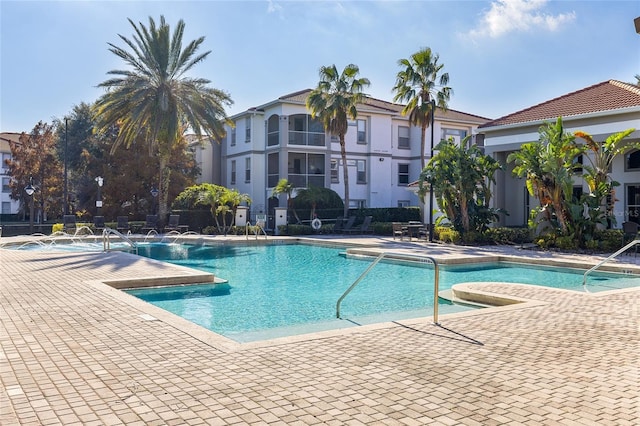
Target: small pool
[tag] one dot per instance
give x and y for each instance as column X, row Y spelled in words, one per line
column 282, row 290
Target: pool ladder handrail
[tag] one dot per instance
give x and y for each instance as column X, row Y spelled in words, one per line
column 106, row 241
column 614, row 255
column 402, row 256
column 255, row 232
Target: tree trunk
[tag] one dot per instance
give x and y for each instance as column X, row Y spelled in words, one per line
column 163, row 190
column 345, row 176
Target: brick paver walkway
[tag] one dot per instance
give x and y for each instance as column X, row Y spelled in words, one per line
column 74, row 352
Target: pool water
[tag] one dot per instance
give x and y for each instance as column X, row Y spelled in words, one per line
column 278, row 290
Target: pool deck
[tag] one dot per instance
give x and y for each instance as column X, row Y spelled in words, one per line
column 76, row 351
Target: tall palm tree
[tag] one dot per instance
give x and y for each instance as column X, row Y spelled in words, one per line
column 418, row 83
column 334, row 101
column 155, row 100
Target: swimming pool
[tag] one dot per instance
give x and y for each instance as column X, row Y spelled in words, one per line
column 281, row 290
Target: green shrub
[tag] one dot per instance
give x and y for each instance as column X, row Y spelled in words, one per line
column 504, row 235
column 609, row 240
column 296, row 230
column 448, row 235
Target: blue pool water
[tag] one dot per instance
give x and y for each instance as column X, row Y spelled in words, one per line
column 278, row 290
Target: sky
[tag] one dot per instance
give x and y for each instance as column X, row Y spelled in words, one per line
column 502, row 56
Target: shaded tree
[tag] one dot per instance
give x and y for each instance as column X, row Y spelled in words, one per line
column 315, row 197
column 34, row 155
column 335, row 101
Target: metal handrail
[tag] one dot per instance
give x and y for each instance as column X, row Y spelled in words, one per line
column 106, row 241
column 400, row 256
column 256, row 233
column 622, row 250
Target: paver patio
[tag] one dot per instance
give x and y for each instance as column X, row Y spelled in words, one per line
column 77, row 352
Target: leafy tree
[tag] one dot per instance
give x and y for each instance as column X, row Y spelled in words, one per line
column 128, row 174
column 316, row 197
column 461, row 178
column 34, row 156
column 155, row 100
column 600, row 160
column 548, row 166
column 334, row 101
column 418, row 83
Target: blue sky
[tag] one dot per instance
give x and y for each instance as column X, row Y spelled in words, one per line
column 501, row 56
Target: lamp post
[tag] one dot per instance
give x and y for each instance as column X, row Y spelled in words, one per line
column 30, row 189
column 100, row 181
column 433, row 111
column 154, row 192
column 66, row 188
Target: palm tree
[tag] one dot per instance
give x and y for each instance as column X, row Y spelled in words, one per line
column 286, row 187
column 418, row 83
column 550, row 175
column 334, row 101
column 155, row 100
column 596, row 173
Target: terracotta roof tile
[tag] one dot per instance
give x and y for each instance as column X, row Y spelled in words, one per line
column 605, row 96
column 390, row 107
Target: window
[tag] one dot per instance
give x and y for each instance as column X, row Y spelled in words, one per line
column 3, row 166
column 273, row 130
column 273, row 170
column 403, row 203
column 577, row 164
column 334, row 171
column 632, row 161
column 247, row 169
column 361, row 176
column 6, row 207
column 306, row 170
column 456, row 134
column 362, row 131
column 633, row 202
column 233, row 136
column 403, row 174
column 233, row 172
column 304, row 130
column 403, row 137
column 576, row 194
column 357, row 204
column 5, row 185
column 247, row 130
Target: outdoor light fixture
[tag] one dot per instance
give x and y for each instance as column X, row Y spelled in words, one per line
column 100, row 181
column 30, row 189
column 433, row 112
column 154, row 192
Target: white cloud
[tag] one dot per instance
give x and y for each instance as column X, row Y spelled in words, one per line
column 273, row 7
column 507, row 16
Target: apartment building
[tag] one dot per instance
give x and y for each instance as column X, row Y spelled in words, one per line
column 280, row 139
column 7, row 205
column 600, row 110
